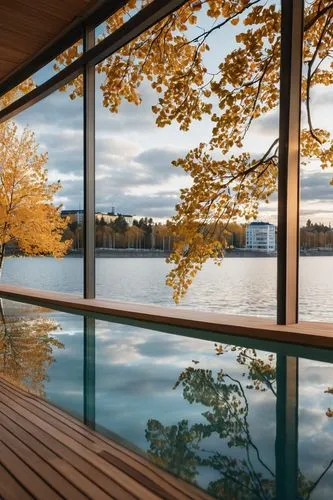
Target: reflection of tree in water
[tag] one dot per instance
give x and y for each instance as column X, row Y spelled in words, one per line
column 26, row 348
column 174, row 448
column 181, row 450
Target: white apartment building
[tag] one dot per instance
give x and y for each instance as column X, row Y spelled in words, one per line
column 260, row 236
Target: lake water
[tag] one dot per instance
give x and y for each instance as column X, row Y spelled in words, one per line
column 245, row 286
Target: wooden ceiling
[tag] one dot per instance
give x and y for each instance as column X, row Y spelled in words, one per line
column 27, row 26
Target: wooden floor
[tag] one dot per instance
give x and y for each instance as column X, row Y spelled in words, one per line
column 47, row 454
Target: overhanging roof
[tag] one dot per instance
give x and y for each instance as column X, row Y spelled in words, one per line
column 94, row 14
column 27, row 27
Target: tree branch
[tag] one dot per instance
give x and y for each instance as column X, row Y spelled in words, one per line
column 315, row 18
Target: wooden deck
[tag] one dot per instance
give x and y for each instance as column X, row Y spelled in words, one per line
column 47, row 454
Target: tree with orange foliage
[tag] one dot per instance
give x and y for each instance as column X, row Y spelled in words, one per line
column 228, row 183
column 28, row 216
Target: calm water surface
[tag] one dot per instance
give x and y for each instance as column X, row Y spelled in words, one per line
column 205, row 412
column 240, row 286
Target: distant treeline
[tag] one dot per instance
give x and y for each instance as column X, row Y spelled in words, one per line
column 143, row 234
column 316, row 235
column 147, row 234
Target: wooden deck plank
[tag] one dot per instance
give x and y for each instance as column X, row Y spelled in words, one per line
column 64, row 471
column 50, row 419
column 45, row 453
column 92, row 457
column 40, row 466
column 25, row 476
column 165, row 490
column 10, row 488
column 95, row 475
column 117, row 454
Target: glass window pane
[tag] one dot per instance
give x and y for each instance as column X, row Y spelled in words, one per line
column 315, row 429
column 173, row 101
column 316, row 234
column 42, row 195
column 43, row 74
column 120, row 17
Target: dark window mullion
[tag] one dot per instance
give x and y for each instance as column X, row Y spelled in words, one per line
column 89, row 170
column 289, row 152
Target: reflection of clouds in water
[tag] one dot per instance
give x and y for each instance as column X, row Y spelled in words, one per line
column 137, row 369
column 123, row 352
column 315, row 428
column 135, row 374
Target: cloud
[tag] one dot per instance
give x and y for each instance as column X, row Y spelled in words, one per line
column 55, row 110
column 71, row 194
column 129, row 175
column 157, row 162
column 133, row 156
column 142, row 184
column 121, row 166
column 159, row 206
column 130, row 117
column 317, row 186
column 267, row 124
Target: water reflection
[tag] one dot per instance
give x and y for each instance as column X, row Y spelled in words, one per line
column 223, row 443
column 316, row 426
column 217, row 415
column 26, row 349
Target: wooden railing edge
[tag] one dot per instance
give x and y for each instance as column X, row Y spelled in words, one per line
column 317, row 334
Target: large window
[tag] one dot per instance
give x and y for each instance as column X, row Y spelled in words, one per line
column 49, row 145
column 145, row 166
column 316, row 233
column 186, row 163
column 169, row 186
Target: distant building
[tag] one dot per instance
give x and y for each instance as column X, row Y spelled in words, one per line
column 74, row 215
column 108, row 217
column 260, row 236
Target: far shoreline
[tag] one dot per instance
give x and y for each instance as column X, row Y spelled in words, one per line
column 123, row 253
column 156, row 254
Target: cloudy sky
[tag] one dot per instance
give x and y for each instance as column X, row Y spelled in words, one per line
column 133, row 156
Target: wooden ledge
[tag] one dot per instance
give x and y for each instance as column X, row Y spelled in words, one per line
column 314, row 334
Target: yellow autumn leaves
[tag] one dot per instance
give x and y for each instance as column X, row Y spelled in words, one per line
column 27, row 214
column 227, row 182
